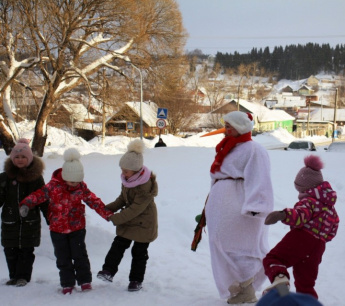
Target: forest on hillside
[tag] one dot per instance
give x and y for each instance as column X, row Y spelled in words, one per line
column 291, row 62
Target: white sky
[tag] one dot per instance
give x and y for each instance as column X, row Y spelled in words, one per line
column 175, row 275
column 240, row 25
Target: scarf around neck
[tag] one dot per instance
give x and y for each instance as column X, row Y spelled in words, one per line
column 139, row 178
column 225, row 146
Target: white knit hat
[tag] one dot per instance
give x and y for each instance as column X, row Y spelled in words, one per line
column 133, row 158
column 72, row 169
column 240, row 121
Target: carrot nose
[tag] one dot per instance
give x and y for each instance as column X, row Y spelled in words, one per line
column 219, row 131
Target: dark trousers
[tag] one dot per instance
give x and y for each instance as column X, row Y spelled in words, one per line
column 139, row 258
column 301, row 251
column 71, row 258
column 20, row 262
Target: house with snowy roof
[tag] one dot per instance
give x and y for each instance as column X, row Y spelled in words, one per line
column 126, row 120
column 285, row 101
column 264, row 119
column 204, row 122
column 77, row 118
column 319, row 121
column 305, row 90
column 312, row 81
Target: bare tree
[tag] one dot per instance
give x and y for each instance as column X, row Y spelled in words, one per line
column 12, row 66
column 170, row 92
column 214, row 87
column 76, row 38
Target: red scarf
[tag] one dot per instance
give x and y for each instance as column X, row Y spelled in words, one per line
column 225, row 146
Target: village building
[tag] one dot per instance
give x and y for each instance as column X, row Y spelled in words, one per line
column 126, row 120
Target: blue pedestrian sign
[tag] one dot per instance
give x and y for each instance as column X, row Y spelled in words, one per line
column 162, row 113
column 130, row 125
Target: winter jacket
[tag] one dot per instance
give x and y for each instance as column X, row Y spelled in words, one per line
column 137, row 219
column 15, row 184
column 315, row 213
column 66, row 212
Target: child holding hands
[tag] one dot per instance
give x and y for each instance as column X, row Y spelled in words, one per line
column 313, row 222
column 137, row 217
column 66, row 191
column 23, row 174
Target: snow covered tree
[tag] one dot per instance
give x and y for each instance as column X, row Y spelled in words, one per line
column 71, row 40
column 12, row 66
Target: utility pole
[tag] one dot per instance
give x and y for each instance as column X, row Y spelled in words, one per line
column 141, row 99
column 335, row 114
column 308, row 102
column 238, row 93
column 141, row 94
column 103, row 108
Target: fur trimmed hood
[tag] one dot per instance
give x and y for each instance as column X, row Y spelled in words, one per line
column 25, row 175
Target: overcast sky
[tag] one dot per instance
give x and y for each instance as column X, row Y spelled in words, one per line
column 240, row 25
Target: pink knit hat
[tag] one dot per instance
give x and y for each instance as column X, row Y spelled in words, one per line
column 309, row 176
column 22, row 148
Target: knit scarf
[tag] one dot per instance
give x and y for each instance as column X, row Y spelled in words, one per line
column 139, row 178
column 225, row 146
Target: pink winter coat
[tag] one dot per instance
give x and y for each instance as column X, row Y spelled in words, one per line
column 66, row 213
column 315, row 213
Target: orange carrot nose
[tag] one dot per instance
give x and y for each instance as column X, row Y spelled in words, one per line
column 219, row 131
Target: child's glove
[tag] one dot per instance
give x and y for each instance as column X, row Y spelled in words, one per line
column 197, row 218
column 24, row 210
column 274, row 217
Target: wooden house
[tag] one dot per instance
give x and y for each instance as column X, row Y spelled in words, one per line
column 305, row 90
column 129, row 116
column 264, row 118
column 312, row 81
column 76, row 118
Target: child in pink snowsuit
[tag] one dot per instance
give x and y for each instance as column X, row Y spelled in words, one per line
column 313, row 222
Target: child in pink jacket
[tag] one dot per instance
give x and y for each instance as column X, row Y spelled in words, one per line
column 313, row 221
column 66, row 213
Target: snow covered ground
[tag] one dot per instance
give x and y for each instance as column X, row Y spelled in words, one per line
column 175, row 275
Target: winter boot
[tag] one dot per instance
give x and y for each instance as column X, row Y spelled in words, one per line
column 242, row 292
column 105, row 276
column 21, row 282
column 67, row 290
column 279, row 279
column 11, row 282
column 134, row 286
column 86, row 287
column 236, row 287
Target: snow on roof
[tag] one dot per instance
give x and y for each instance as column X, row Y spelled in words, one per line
column 149, row 111
column 203, row 90
column 323, row 114
column 295, row 85
column 276, row 115
column 264, row 114
column 88, row 126
column 78, row 111
column 205, row 120
column 288, row 100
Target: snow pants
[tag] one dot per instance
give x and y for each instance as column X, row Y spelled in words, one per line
column 20, row 262
column 139, row 258
column 72, row 259
column 301, row 251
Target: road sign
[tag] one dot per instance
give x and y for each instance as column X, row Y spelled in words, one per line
column 130, row 125
column 161, row 123
column 162, row 113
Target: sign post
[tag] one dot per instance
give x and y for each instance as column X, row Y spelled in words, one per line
column 130, row 125
column 161, row 124
column 162, row 113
